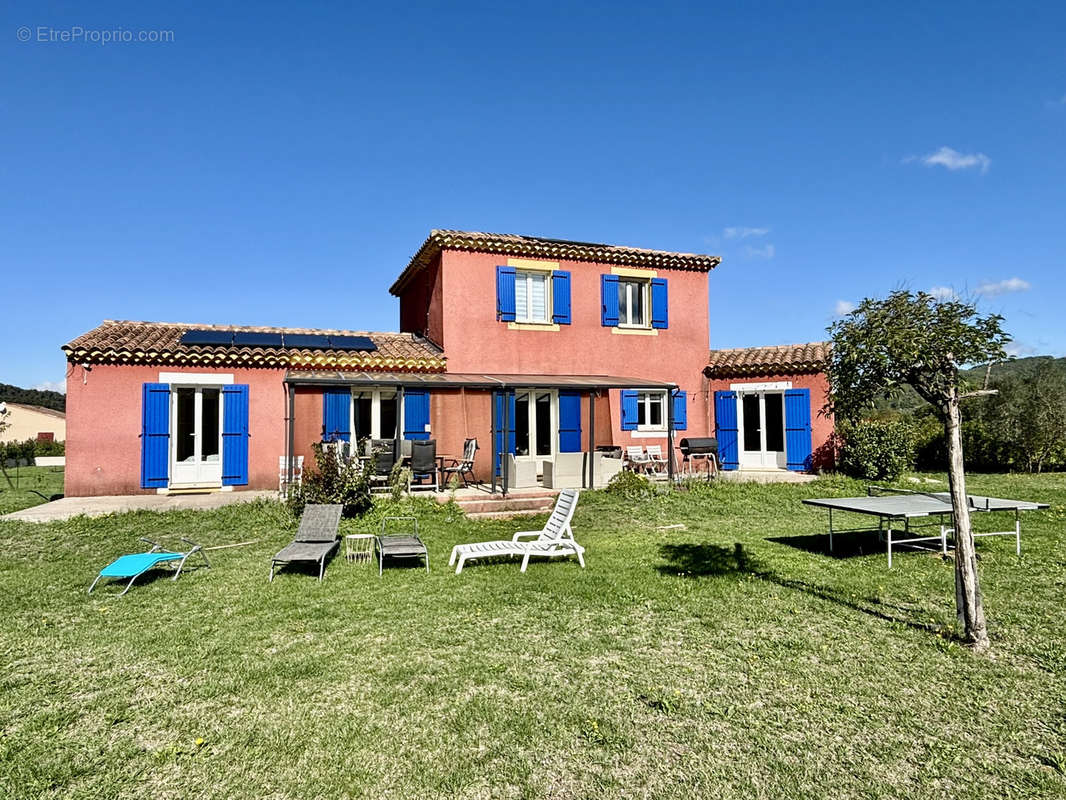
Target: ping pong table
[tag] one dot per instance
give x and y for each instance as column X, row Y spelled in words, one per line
column 893, row 506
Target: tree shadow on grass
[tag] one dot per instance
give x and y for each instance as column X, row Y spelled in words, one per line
column 694, row 561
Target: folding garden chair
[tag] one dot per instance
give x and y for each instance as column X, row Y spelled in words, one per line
column 134, row 565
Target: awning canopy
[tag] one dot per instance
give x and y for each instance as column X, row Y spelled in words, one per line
column 461, row 380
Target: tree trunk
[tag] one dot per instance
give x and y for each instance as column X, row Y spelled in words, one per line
column 971, row 613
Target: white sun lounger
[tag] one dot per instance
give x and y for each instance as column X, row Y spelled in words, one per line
column 555, row 539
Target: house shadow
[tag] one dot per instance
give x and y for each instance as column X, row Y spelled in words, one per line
column 697, row 561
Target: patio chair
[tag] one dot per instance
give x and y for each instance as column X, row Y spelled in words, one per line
column 283, row 473
column 383, row 459
column 134, row 565
column 462, row 467
column 656, row 460
column 423, row 465
column 315, row 539
column 636, row 459
column 555, row 539
column 400, row 545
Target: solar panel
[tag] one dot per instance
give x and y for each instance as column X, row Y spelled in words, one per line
column 307, row 341
column 253, row 339
column 352, row 343
column 202, row 336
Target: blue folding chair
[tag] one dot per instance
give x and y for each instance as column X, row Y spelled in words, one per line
column 134, row 565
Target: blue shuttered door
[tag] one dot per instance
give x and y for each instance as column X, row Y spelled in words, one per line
column 336, row 415
column 155, row 435
column 609, row 300
column 725, row 429
column 680, row 400
column 798, row 429
column 569, row 422
column 629, row 409
column 498, row 399
column 505, row 303
column 561, row 297
column 660, row 312
column 235, row 435
column 415, row 414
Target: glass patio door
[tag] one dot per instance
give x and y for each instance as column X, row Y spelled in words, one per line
column 761, row 424
column 196, row 436
column 535, row 424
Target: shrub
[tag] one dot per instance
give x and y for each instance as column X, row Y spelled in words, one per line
column 630, row 485
column 26, row 450
column 334, row 480
column 876, row 449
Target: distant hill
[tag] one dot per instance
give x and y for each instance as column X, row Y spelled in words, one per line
column 908, row 400
column 33, row 397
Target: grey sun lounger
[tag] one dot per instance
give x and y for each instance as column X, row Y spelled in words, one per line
column 315, row 539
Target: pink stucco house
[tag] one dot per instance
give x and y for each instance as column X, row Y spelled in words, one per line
column 535, row 347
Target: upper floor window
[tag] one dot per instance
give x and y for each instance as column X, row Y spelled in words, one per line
column 633, row 303
column 532, row 297
column 535, row 296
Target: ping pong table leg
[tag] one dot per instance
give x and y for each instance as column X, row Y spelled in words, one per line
column 1017, row 532
column 830, row 532
column 943, row 539
column 890, row 545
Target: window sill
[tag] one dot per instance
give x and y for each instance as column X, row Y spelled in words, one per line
column 532, row 326
column 657, row 434
column 636, row 331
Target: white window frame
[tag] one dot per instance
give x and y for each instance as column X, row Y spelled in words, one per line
column 625, row 311
column 375, row 411
column 525, row 315
column 645, row 400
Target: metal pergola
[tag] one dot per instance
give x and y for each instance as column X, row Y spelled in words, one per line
column 591, row 385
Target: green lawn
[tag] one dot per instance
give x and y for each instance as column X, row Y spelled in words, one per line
column 30, row 486
column 730, row 658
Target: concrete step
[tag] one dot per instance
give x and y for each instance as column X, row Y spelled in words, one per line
column 506, row 514
column 508, row 504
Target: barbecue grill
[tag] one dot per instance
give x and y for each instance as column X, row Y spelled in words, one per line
column 696, row 449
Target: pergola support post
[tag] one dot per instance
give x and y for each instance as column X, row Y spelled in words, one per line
column 670, row 435
column 290, row 441
column 592, row 440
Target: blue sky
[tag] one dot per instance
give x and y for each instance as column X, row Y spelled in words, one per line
column 279, row 163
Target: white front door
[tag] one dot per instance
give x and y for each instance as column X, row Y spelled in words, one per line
column 196, row 436
column 536, row 425
column 761, row 424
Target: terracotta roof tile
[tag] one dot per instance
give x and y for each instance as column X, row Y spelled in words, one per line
column 510, row 244
column 809, row 357
column 127, row 342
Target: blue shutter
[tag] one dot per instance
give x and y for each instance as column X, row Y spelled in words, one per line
column 336, row 415
column 609, row 300
column 569, row 422
column 155, row 435
column 561, row 297
column 660, row 314
column 505, row 294
column 798, row 429
column 498, row 399
column 629, row 409
column 725, row 429
column 415, row 414
column 680, row 400
column 235, row 435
